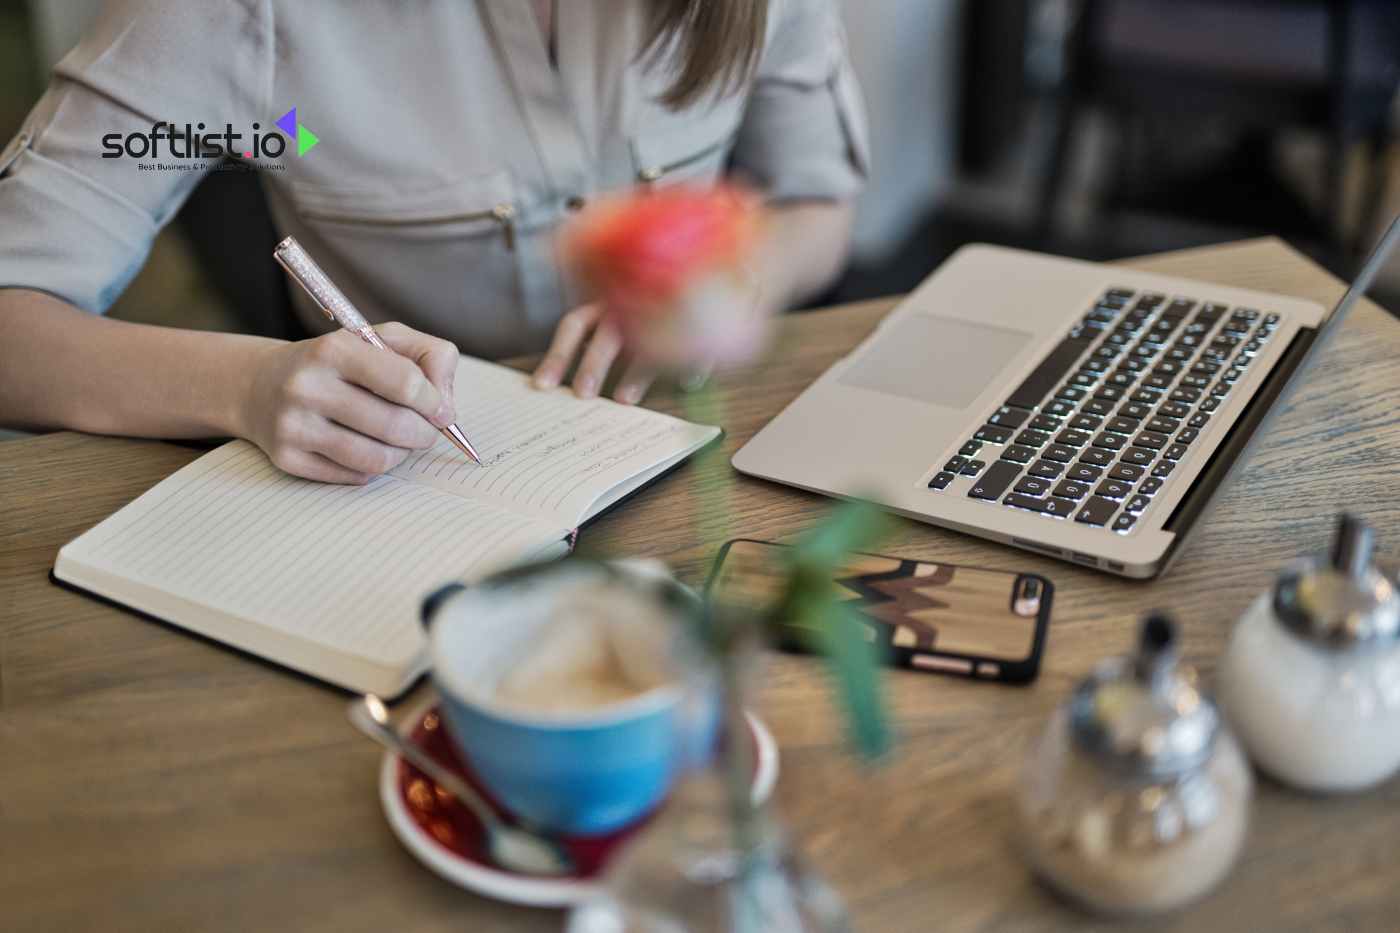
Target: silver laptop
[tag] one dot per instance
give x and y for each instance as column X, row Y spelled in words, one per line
column 1073, row 409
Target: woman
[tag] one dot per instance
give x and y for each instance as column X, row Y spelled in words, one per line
column 441, row 142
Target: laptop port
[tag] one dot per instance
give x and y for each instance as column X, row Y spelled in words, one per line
column 1089, row 559
column 1036, row 546
column 1114, row 565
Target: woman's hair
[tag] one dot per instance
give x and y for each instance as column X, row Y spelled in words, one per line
column 716, row 44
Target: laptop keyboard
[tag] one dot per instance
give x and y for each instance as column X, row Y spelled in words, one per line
column 1095, row 432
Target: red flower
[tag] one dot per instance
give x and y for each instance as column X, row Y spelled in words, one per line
column 641, row 252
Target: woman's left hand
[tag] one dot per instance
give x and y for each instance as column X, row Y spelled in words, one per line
column 586, row 334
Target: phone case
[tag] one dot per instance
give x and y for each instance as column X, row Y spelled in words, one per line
column 941, row 618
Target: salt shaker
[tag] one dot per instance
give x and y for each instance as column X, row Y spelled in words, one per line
column 1135, row 800
column 1311, row 679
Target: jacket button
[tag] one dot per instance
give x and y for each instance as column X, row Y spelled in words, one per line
column 575, row 203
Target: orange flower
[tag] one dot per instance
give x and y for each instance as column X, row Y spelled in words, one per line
column 669, row 266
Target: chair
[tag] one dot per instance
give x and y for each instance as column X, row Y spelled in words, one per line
column 1258, row 66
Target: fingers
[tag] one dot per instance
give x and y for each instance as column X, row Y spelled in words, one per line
column 602, row 352
column 633, row 385
column 390, row 376
column 310, row 465
column 354, row 451
column 368, row 414
column 568, row 338
column 436, row 357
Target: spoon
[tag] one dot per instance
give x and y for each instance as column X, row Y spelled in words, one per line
column 511, row 847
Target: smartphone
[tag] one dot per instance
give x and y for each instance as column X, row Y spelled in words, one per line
column 984, row 624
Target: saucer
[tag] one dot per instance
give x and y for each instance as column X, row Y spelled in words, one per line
column 446, row 837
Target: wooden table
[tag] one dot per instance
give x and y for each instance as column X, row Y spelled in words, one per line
column 150, row 780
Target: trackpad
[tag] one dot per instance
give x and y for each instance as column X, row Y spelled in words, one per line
column 935, row 359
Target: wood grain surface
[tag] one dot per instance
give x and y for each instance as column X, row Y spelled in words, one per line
column 151, row 780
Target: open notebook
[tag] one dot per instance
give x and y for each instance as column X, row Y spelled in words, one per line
column 328, row 579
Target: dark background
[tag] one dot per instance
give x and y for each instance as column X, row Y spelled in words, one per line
column 1092, row 128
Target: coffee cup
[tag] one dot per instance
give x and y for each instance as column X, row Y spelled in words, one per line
column 595, row 765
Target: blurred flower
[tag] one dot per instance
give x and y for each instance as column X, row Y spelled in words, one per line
column 670, row 267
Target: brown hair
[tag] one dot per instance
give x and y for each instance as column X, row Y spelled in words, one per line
column 717, row 44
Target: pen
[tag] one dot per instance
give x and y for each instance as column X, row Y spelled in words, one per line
column 332, row 301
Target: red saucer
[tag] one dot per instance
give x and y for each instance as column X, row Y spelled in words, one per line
column 447, row 837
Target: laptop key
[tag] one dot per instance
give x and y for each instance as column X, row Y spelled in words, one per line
column 1187, row 435
column 1138, row 503
column 1008, row 417
column 1112, row 489
column 1135, row 410
column 1137, row 456
column 1097, row 456
column 1151, row 440
column 940, row 480
column 1033, row 486
column 1059, row 408
column 992, row 434
column 973, row 467
column 1046, row 469
column 1220, row 389
column 1146, row 398
column 1018, row 454
column 1086, row 422
column 1195, row 382
column 1029, row 438
column 1209, row 405
column 1051, row 370
column 1174, row 410
column 1059, row 453
column 1096, row 407
column 1186, row 395
column 1072, row 438
column 1122, row 425
column 1110, row 441
column 1044, row 423
column 1071, row 393
column 1060, row 508
column 1121, row 380
column 1163, row 468
column 1071, row 490
column 1150, row 485
column 1175, row 452
column 970, row 448
column 956, row 464
column 1126, row 472
column 1158, row 382
column 1083, row 378
column 1083, row 472
column 994, row 480
column 1163, row 425
column 1198, row 420
column 1019, row 501
column 1097, row 511
column 1124, row 523
column 1108, row 394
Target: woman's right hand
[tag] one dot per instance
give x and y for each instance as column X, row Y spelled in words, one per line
column 335, row 409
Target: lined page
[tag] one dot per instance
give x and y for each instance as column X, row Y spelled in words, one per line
column 546, row 453
column 342, row 566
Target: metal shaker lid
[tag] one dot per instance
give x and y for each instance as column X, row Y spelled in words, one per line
column 1340, row 601
column 1143, row 715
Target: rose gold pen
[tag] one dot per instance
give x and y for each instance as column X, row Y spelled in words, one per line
column 333, row 303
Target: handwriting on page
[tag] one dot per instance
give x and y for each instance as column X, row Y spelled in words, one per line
column 542, row 451
column 345, row 566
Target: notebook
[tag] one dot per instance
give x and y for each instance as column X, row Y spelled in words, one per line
column 328, row 579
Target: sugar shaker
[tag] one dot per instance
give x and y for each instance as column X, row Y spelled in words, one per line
column 1135, row 799
column 1311, row 678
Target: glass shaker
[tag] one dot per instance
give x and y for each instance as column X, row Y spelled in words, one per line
column 1311, row 679
column 1135, row 800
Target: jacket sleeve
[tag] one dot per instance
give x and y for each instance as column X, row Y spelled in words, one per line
column 77, row 212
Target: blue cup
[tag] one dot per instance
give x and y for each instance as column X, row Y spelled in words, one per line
column 576, row 773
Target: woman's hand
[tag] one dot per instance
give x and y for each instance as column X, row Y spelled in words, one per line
column 338, row 410
column 586, row 329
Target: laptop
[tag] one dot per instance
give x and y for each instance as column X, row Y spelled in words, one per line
column 1077, row 410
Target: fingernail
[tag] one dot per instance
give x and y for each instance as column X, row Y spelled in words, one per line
column 629, row 395
column 586, row 386
column 445, row 414
column 546, row 379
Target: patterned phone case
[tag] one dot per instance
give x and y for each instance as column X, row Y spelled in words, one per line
column 964, row 621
